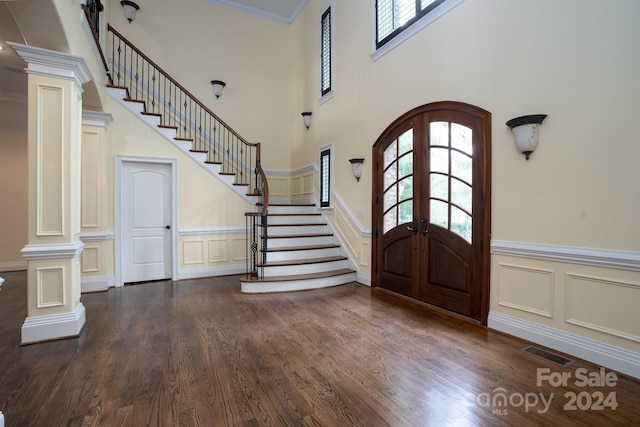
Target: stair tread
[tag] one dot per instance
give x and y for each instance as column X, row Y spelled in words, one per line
column 306, row 224
column 302, row 261
column 292, row 277
column 299, row 236
column 140, row 101
column 297, row 205
column 294, row 214
column 302, row 248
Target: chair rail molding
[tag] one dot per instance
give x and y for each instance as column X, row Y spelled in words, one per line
column 623, row 260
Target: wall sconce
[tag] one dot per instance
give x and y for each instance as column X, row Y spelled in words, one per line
column 356, row 164
column 218, row 85
column 306, row 116
column 525, row 131
column 130, row 9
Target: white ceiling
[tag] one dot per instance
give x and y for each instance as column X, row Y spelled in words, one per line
column 283, row 11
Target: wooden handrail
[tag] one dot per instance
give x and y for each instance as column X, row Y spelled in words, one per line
column 94, row 30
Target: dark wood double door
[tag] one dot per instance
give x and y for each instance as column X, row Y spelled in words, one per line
column 431, row 214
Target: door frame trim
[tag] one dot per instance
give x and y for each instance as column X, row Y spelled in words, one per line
column 120, row 160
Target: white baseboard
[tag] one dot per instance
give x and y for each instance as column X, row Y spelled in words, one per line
column 46, row 328
column 13, row 266
column 365, row 279
column 96, row 283
column 197, row 273
column 618, row 359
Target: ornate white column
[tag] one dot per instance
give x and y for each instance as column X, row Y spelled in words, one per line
column 53, row 251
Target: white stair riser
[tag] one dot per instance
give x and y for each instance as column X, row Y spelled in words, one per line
column 297, row 285
column 288, row 270
column 300, row 241
column 298, row 219
column 302, row 254
column 302, row 229
column 292, row 209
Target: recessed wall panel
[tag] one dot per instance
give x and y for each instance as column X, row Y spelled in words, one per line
column 90, row 182
column 526, row 289
column 218, row 251
column 50, row 283
column 50, row 161
column 604, row 305
column 193, row 252
column 90, row 259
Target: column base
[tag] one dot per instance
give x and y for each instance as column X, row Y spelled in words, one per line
column 53, row 327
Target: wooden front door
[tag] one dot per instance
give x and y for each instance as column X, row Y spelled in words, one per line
column 432, row 207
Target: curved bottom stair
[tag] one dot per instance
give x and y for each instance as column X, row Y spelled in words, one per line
column 302, row 253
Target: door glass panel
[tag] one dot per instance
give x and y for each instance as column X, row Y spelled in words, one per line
column 439, row 186
column 398, row 181
column 461, row 138
column 391, row 197
column 390, row 176
column 390, row 154
column 440, row 160
column 390, row 219
column 406, row 211
column 439, row 213
column 439, row 133
column 406, row 189
column 461, row 223
column 461, row 166
column 406, row 142
column 461, row 194
column 405, row 166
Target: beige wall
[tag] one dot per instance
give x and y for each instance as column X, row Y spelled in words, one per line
column 573, row 60
column 13, row 195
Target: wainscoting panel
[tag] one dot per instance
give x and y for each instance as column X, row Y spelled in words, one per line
column 90, row 259
column 279, row 187
column 193, row 252
column 239, row 249
column 218, row 250
column 50, row 282
column 350, row 235
column 603, row 305
column 526, row 289
column 91, row 189
column 49, row 169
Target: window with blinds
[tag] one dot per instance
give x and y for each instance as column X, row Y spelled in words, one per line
column 325, row 178
column 325, row 52
column 394, row 16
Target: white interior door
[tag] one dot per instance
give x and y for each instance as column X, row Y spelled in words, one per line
column 146, row 221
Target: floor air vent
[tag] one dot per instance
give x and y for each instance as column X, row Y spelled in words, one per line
column 555, row 358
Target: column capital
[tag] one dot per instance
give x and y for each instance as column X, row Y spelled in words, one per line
column 51, row 63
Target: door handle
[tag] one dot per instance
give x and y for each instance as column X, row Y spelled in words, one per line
column 413, row 229
column 168, row 227
column 423, row 226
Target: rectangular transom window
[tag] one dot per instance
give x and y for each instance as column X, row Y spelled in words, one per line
column 393, row 17
column 325, row 52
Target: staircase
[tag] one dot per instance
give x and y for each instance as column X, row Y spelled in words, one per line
column 298, row 249
column 302, row 253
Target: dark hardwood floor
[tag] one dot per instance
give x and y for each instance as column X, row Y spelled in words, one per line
column 200, row 353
